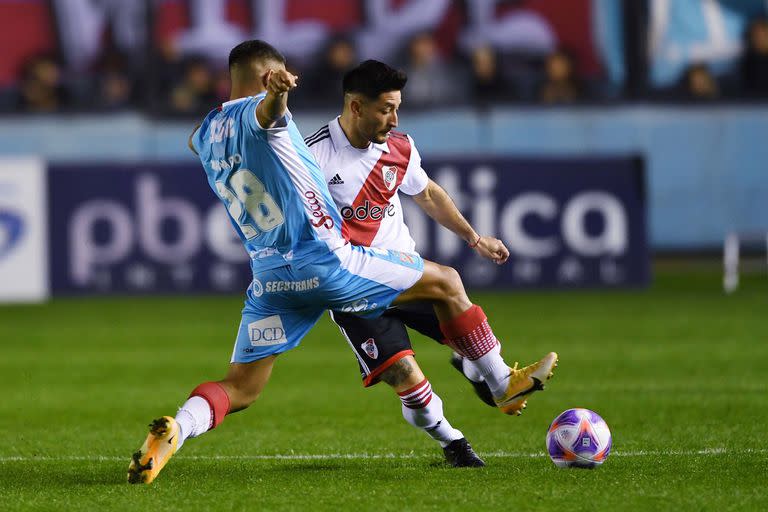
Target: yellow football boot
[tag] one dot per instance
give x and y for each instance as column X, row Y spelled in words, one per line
column 525, row 381
column 157, row 449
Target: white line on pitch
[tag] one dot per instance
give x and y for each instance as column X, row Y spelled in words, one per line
column 374, row 456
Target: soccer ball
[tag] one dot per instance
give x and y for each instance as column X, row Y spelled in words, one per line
column 578, row 438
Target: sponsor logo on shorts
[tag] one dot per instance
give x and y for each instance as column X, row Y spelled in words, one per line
column 267, row 331
column 366, row 211
column 292, row 286
column 358, row 306
column 284, row 286
column 257, row 288
column 370, row 348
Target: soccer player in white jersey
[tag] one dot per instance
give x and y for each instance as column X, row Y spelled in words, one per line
column 366, row 164
column 258, row 165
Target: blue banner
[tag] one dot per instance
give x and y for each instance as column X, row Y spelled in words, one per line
column 159, row 229
column 141, row 229
column 568, row 223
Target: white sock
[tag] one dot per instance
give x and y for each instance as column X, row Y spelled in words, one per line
column 424, row 410
column 194, row 419
column 470, row 371
column 493, row 370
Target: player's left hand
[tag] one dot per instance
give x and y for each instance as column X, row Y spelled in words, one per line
column 493, row 249
column 280, row 81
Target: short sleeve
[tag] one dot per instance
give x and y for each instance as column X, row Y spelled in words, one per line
column 197, row 141
column 320, row 147
column 317, row 154
column 416, row 179
column 249, row 117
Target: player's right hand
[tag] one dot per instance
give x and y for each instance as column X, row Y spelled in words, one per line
column 492, row 249
column 280, row 81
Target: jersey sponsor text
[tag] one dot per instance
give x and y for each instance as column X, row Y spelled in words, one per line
column 267, row 331
column 366, row 211
column 292, row 286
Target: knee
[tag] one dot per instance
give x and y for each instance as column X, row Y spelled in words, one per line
column 450, row 282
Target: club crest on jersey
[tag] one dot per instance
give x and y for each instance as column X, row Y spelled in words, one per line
column 370, row 348
column 390, row 176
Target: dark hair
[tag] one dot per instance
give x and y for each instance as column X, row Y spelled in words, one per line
column 254, row 49
column 372, row 78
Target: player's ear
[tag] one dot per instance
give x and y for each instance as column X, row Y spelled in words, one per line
column 355, row 106
column 265, row 77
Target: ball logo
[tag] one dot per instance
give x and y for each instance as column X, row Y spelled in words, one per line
column 389, row 172
column 11, row 229
column 267, row 331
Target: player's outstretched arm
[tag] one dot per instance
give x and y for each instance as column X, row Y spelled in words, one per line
column 275, row 104
column 189, row 141
column 438, row 205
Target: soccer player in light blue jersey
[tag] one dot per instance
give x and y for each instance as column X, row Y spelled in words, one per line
column 257, row 163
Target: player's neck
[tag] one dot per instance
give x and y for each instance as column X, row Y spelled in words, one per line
column 353, row 137
column 240, row 91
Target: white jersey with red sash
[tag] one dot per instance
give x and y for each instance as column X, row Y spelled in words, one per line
column 364, row 184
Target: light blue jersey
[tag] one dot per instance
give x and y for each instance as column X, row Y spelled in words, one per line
column 281, row 208
column 271, row 185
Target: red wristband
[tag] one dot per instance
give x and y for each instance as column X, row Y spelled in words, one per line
column 473, row 245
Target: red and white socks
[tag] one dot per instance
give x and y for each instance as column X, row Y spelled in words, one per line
column 470, row 335
column 424, row 410
column 204, row 409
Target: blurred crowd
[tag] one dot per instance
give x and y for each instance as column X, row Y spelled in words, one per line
column 748, row 80
column 172, row 84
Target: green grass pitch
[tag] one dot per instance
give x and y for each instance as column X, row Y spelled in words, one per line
column 678, row 371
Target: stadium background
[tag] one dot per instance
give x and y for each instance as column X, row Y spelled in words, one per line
column 612, row 145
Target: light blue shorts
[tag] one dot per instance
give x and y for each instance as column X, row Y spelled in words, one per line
column 284, row 303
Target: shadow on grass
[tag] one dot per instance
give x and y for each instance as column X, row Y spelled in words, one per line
column 243, row 472
column 31, row 475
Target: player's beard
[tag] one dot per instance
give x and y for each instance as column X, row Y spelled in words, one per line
column 382, row 136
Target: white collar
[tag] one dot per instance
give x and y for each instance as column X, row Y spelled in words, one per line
column 340, row 140
column 238, row 100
